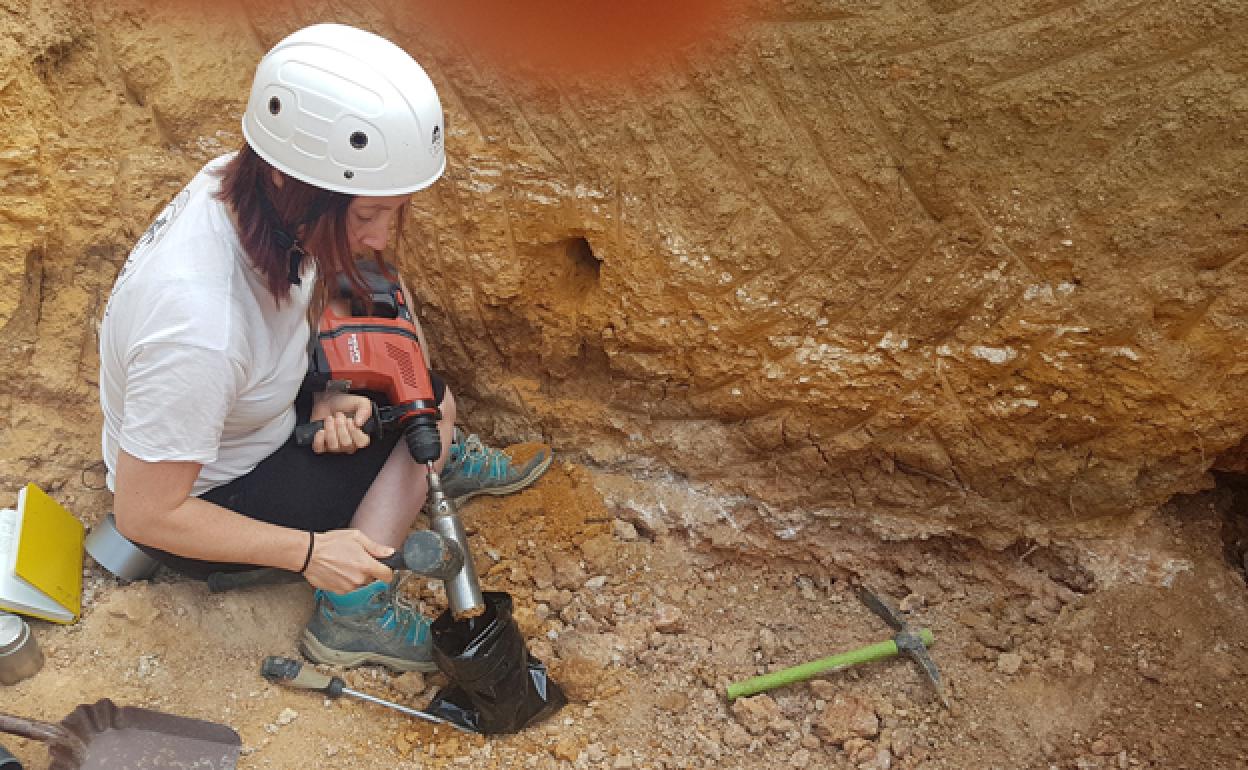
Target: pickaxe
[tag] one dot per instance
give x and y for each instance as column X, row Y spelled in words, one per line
column 906, row 640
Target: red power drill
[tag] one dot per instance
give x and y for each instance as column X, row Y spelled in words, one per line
column 377, row 349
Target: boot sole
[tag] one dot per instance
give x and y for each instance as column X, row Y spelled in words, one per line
column 316, row 652
column 507, row 489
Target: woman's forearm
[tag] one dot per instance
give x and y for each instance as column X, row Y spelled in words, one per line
column 153, row 506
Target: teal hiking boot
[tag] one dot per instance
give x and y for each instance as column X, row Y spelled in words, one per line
column 474, row 469
column 368, row 625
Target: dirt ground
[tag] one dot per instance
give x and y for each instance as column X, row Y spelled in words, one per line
column 1114, row 654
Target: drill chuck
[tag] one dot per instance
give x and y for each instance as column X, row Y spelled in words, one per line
column 423, row 439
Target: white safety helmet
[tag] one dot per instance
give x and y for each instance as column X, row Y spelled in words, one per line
column 346, row 110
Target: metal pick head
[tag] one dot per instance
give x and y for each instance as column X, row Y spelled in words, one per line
column 882, row 608
column 912, row 644
column 907, row 641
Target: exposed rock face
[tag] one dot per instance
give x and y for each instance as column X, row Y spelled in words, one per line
column 970, row 267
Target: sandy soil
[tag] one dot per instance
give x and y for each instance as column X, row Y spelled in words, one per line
column 1118, row 654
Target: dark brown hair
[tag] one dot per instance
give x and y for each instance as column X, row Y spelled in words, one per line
column 316, row 217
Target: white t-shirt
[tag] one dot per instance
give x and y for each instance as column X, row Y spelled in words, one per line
column 198, row 363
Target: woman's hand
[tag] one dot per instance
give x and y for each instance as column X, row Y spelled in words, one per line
column 346, row 559
column 343, row 415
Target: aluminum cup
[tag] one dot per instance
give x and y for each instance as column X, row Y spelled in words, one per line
column 20, row 657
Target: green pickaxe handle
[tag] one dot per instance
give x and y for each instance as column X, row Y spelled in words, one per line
column 814, row 668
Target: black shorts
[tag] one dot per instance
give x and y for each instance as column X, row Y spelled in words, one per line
column 298, row 488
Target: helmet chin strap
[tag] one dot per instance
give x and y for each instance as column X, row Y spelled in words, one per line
column 285, row 241
column 294, row 252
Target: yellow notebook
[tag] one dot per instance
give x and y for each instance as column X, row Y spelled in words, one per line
column 41, row 558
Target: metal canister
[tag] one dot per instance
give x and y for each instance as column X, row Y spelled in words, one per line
column 20, row 657
column 112, row 551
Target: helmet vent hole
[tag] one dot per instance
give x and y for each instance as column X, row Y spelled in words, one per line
column 359, row 140
column 275, row 105
column 348, row 174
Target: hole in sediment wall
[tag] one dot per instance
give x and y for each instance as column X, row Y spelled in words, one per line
column 584, row 260
column 567, row 271
column 1231, row 502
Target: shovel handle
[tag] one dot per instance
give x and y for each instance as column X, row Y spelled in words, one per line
column 46, row 732
column 801, row 673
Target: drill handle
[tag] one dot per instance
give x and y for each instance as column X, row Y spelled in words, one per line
column 307, row 431
column 292, row 673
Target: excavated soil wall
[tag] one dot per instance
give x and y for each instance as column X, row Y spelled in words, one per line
column 915, row 267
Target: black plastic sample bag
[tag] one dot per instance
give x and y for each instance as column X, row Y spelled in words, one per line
column 496, row 685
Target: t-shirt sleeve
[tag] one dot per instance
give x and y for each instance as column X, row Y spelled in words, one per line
column 176, row 402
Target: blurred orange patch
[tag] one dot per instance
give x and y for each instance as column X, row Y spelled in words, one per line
column 580, row 36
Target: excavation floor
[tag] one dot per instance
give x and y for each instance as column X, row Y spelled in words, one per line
column 1114, row 655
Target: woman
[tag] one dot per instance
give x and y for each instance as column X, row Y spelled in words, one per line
column 203, row 347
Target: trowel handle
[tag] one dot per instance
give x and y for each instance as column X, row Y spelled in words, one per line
column 291, row 672
column 33, row 728
column 54, row 735
column 810, row 670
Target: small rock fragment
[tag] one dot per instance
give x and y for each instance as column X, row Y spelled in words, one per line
column 912, row 602
column 847, row 717
column 1106, row 746
column 902, row 742
column 974, row 619
column 991, row 637
column 566, row 748
column 757, row 713
column 861, row 752
column 768, row 644
column 1009, row 662
column 1036, row 611
column 1082, row 663
column 542, row 573
column 668, row 619
column 624, row 530
column 735, row 736
column 569, row 575
column 1149, row 670
column 410, row 684
column 806, row 587
column 673, row 702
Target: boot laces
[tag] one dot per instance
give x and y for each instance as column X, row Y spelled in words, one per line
column 474, row 453
column 400, row 616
